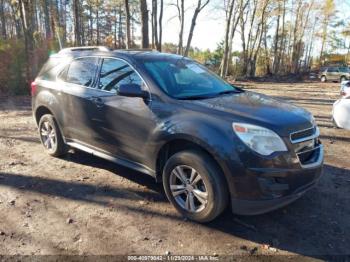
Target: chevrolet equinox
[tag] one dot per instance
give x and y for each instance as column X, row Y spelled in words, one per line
column 210, row 143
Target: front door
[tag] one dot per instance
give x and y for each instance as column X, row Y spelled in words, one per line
column 124, row 123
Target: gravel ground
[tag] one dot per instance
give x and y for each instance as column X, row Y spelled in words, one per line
column 82, row 205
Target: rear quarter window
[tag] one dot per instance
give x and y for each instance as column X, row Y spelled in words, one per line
column 51, row 68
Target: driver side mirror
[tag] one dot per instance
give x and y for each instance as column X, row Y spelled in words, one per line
column 132, row 90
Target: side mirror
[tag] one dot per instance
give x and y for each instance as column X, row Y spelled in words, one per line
column 132, row 90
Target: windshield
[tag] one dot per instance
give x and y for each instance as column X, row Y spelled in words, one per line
column 186, row 79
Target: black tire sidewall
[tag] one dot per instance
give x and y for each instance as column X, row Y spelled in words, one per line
column 212, row 177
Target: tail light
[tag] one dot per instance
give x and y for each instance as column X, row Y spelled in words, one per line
column 33, row 87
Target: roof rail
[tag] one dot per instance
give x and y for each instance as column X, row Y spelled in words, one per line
column 84, row 48
column 137, row 50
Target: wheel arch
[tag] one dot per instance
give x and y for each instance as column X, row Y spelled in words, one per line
column 43, row 110
column 180, row 143
column 40, row 111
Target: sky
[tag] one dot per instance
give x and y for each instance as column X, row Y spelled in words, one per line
column 210, row 27
column 209, row 30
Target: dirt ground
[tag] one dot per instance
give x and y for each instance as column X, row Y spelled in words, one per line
column 82, row 205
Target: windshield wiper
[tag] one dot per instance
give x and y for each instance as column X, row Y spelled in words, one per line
column 195, row 97
column 229, row 92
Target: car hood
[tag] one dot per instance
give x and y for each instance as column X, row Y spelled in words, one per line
column 254, row 108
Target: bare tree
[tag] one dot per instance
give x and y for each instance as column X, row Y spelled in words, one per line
column 225, row 57
column 180, row 5
column 3, row 20
column 199, row 8
column 26, row 13
column 76, row 13
column 160, row 38
column 144, row 24
column 128, row 32
column 154, row 23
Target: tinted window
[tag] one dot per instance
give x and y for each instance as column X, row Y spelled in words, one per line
column 114, row 73
column 332, row 70
column 82, row 71
column 344, row 69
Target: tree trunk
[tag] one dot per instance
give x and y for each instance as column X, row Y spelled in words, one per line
column 226, row 42
column 97, row 25
column 76, row 14
column 181, row 16
column 275, row 51
column 115, row 28
column 154, row 24
column 144, row 24
column 198, row 9
column 26, row 12
column 3, row 20
column 120, row 30
column 128, row 32
column 159, row 46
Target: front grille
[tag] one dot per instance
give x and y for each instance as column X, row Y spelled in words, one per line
column 307, row 146
column 303, row 134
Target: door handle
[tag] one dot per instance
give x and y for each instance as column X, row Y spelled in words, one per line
column 97, row 101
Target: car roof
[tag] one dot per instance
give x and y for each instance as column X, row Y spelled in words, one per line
column 133, row 54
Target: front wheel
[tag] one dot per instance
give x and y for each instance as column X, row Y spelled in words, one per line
column 195, row 185
column 342, row 79
column 323, row 79
column 51, row 137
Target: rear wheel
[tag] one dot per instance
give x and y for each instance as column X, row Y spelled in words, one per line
column 51, row 137
column 342, row 79
column 194, row 184
column 323, row 79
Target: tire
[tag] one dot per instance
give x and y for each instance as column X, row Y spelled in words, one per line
column 323, row 79
column 210, row 187
column 342, row 78
column 51, row 137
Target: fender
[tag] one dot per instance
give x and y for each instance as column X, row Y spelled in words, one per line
column 214, row 139
column 45, row 98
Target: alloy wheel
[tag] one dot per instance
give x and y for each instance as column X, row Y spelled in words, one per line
column 188, row 189
column 48, row 135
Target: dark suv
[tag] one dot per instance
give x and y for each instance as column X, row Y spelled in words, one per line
column 210, row 143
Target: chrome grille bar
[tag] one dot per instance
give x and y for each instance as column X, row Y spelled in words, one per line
column 302, row 139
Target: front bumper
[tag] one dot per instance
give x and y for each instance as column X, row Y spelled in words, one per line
column 256, row 207
column 272, row 188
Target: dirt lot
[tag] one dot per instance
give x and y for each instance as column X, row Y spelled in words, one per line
column 84, row 205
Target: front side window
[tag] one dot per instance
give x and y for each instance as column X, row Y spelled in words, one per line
column 114, row 73
column 82, row 71
column 186, row 79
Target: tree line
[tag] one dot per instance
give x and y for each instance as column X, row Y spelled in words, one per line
column 272, row 36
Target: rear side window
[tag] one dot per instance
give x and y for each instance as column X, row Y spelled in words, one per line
column 332, row 70
column 82, row 71
column 114, row 73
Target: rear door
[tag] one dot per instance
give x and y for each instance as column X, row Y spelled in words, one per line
column 332, row 73
column 77, row 81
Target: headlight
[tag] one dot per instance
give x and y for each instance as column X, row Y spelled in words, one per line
column 260, row 139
